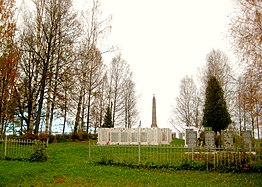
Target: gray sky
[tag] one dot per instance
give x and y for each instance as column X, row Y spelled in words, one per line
column 164, row 40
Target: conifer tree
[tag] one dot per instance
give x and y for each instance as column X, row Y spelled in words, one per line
column 215, row 110
column 108, row 119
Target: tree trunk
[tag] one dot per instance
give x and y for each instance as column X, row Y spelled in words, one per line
column 83, row 114
column 88, row 110
column 54, row 97
column 29, row 122
column 48, row 103
column 78, row 110
column 21, row 127
column 65, row 112
column 64, row 124
column 42, row 93
column 56, row 70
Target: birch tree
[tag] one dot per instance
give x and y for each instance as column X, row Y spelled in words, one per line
column 185, row 113
column 90, row 61
column 246, row 29
column 217, row 65
column 45, row 37
column 130, row 103
column 250, row 102
column 123, row 99
column 117, row 72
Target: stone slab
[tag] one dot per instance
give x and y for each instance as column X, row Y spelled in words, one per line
column 124, row 137
column 191, row 138
column 247, row 139
column 228, row 139
column 114, row 137
column 209, row 139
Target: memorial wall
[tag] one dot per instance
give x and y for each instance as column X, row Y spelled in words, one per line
column 134, row 136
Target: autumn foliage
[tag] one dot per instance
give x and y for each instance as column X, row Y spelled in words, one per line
column 8, row 63
column 246, row 29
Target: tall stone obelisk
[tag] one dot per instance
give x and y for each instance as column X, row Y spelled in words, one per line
column 154, row 112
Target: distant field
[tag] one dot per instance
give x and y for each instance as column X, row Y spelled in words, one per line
column 68, row 166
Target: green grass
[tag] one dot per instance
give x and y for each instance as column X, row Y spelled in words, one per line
column 16, row 150
column 68, row 165
column 129, row 154
column 178, row 142
column 172, row 155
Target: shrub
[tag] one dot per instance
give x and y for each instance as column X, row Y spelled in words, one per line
column 40, row 152
column 82, row 136
column 85, row 136
column 44, row 137
column 75, row 137
column 94, row 136
column 63, row 138
column 29, row 137
column 237, row 141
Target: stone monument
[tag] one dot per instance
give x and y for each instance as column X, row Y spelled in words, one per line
column 154, row 113
column 134, row 136
column 247, row 139
column 228, row 139
column 191, row 138
column 209, row 139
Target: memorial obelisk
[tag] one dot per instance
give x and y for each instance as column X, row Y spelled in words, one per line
column 154, row 113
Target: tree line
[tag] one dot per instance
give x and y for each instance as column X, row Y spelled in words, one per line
column 241, row 90
column 51, row 67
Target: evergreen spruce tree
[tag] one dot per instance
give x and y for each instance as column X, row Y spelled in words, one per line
column 216, row 114
column 108, row 119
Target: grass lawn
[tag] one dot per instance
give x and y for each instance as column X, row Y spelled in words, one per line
column 68, row 166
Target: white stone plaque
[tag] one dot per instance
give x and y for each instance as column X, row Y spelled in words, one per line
column 143, row 137
column 114, row 137
column 124, row 137
column 103, row 136
column 134, row 137
column 164, row 136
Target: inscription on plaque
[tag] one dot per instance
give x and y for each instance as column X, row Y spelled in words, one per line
column 127, row 136
column 209, row 139
column 103, row 136
column 247, row 139
column 191, row 138
column 114, row 137
column 134, row 137
column 123, row 137
column 143, row 137
column 228, row 141
column 164, row 138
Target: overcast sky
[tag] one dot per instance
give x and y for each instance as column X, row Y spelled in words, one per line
column 164, row 40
